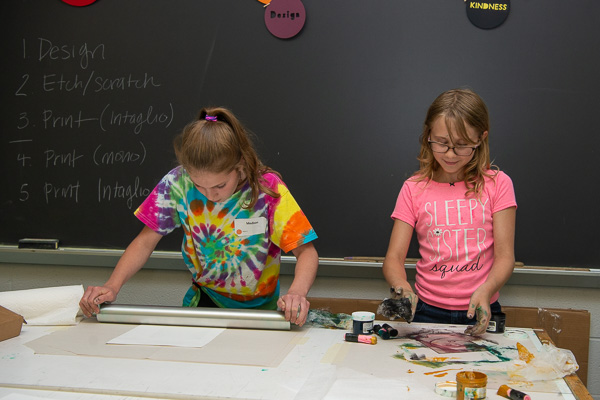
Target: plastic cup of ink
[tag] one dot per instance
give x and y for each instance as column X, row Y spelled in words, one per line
column 446, row 388
column 362, row 322
column 497, row 323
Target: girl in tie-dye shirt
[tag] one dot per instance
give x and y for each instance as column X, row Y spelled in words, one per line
column 237, row 216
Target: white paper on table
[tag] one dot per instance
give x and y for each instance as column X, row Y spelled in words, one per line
column 18, row 396
column 161, row 335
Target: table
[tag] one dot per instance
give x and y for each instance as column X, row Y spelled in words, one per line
column 307, row 363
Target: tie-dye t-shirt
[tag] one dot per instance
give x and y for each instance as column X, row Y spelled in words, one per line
column 232, row 252
column 455, row 233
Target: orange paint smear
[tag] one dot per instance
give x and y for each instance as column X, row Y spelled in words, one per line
column 524, row 354
column 528, row 384
column 439, row 372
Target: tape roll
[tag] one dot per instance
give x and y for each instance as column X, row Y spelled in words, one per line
column 515, row 334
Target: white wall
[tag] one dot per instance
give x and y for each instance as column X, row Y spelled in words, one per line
column 166, row 287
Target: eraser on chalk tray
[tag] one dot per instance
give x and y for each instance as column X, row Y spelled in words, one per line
column 51, row 244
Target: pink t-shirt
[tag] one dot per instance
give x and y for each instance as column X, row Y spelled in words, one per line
column 455, row 235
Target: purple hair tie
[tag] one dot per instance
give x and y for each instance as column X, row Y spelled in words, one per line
column 211, row 118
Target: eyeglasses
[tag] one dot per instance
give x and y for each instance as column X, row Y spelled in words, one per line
column 438, row 147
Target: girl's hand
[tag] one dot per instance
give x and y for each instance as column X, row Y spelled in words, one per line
column 479, row 307
column 399, row 293
column 93, row 297
column 295, row 307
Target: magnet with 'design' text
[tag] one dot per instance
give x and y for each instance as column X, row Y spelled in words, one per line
column 285, row 18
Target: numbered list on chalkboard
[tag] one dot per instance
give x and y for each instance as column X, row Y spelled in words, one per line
column 81, row 137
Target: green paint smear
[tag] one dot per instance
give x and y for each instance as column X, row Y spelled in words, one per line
column 411, row 346
column 326, row 319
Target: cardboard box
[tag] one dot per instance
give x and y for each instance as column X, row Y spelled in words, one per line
column 568, row 329
column 10, row 324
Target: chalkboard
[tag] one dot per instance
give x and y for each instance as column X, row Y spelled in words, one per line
column 93, row 96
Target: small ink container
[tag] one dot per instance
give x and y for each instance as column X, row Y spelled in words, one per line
column 362, row 322
column 383, row 333
column 471, row 385
column 497, row 323
column 446, row 389
column 393, row 331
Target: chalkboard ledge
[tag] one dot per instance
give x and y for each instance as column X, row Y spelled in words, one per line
column 328, row 267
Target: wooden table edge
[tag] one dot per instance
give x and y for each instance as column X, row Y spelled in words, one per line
column 577, row 387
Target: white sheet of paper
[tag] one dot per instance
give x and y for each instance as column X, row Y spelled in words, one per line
column 160, row 335
column 18, row 396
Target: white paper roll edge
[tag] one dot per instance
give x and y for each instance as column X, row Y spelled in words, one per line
column 45, row 306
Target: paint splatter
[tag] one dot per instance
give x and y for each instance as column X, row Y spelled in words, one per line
column 444, row 370
column 451, row 342
column 326, row 319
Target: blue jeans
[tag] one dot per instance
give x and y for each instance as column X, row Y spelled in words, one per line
column 435, row 315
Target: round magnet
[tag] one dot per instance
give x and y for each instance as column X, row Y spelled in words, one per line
column 285, row 18
column 486, row 15
column 79, row 3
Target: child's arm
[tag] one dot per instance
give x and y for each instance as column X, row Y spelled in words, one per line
column 393, row 265
column 132, row 260
column 307, row 263
column 504, row 263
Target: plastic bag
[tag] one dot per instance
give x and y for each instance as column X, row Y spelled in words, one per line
column 549, row 363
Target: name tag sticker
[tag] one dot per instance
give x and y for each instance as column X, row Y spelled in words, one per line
column 250, row 226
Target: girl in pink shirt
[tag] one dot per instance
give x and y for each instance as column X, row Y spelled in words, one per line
column 463, row 211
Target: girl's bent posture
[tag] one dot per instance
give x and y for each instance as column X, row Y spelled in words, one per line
column 237, row 216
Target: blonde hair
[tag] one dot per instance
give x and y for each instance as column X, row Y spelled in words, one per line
column 217, row 142
column 458, row 107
